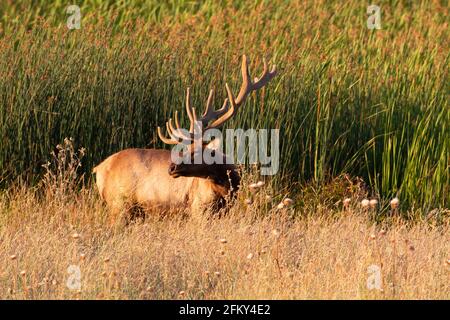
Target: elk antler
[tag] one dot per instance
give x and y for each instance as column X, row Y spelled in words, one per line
column 231, row 105
column 177, row 134
column 220, row 116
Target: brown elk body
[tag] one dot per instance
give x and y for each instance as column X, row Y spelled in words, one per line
column 149, row 179
column 141, row 177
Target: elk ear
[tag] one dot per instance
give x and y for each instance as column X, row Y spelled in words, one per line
column 214, row 144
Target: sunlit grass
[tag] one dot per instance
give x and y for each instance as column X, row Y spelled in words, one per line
column 255, row 252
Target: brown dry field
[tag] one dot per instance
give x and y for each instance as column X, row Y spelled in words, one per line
column 254, row 252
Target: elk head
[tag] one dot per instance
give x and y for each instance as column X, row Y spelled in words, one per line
column 186, row 164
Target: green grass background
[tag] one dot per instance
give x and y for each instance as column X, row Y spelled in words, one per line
column 370, row 103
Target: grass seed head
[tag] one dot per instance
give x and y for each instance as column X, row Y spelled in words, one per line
column 365, row 203
column 394, row 203
column 280, row 206
column 373, row 203
column 346, row 202
column 276, row 232
column 288, row 202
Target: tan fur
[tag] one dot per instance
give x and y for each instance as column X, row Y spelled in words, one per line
column 140, row 177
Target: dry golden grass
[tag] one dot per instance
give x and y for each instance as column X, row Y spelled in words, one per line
column 243, row 255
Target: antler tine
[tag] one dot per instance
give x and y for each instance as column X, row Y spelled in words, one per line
column 172, row 135
column 209, row 113
column 223, row 112
column 177, row 132
column 208, row 108
column 196, row 132
column 164, row 139
column 189, row 110
column 194, row 120
column 180, row 130
column 265, row 77
column 246, row 87
column 177, row 123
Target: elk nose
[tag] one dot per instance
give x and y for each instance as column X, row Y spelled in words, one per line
column 172, row 168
